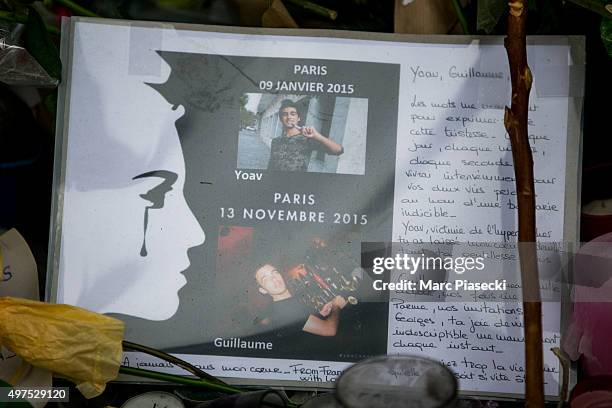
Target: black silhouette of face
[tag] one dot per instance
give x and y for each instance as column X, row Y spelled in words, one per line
column 156, row 196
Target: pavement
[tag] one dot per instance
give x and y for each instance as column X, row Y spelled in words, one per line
column 252, row 152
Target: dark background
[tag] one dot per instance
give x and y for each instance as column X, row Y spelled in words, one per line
column 25, row 199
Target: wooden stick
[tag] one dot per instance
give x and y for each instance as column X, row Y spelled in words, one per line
column 515, row 120
column 565, row 365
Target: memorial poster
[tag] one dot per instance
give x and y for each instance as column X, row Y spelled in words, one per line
column 215, row 189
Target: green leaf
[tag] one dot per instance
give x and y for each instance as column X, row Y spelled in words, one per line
column 597, row 6
column 109, row 8
column 40, row 46
column 21, row 404
column 489, row 13
column 532, row 5
column 606, row 34
column 50, row 103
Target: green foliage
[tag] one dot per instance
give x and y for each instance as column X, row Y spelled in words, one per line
column 489, row 13
column 246, row 118
column 532, row 5
column 40, row 46
column 545, row 17
column 12, row 404
column 597, row 6
column 606, row 34
column 244, row 99
column 50, row 103
column 110, row 8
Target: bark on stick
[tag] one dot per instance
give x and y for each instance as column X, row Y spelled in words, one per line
column 515, row 120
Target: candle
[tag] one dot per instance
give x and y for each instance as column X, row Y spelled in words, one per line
column 596, row 219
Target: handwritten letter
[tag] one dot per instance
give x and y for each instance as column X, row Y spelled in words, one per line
column 455, row 184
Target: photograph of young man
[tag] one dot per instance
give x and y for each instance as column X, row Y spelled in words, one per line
column 292, row 150
column 286, row 311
